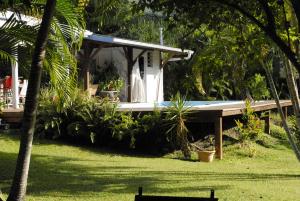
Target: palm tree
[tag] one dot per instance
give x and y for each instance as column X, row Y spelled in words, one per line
column 59, row 61
column 65, row 38
column 18, row 188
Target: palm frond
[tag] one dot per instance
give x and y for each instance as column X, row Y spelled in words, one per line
column 6, row 56
column 65, row 38
column 13, row 33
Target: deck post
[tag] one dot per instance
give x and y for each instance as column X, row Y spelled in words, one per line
column 218, row 137
column 267, row 122
column 285, row 112
column 87, row 61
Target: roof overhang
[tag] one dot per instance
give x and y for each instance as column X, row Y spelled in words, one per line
column 110, row 41
column 31, row 21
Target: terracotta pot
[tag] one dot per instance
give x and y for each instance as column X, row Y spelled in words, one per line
column 206, row 156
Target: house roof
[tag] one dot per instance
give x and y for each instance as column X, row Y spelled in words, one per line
column 121, row 42
column 31, row 21
column 109, row 41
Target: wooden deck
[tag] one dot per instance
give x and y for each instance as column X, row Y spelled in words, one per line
column 12, row 116
column 215, row 114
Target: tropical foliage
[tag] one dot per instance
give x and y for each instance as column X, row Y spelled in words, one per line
column 250, row 128
column 97, row 122
column 65, row 38
column 62, row 38
column 176, row 116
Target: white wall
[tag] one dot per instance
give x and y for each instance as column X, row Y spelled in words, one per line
column 153, row 75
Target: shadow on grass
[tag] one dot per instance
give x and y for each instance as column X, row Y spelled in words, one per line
column 57, row 174
column 80, row 176
column 60, row 174
column 14, row 135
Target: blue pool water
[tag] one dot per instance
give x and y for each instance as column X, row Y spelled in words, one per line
column 165, row 104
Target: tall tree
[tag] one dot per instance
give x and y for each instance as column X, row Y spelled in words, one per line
column 57, row 48
column 266, row 14
column 18, row 188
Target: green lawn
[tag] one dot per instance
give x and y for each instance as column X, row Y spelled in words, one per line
column 60, row 172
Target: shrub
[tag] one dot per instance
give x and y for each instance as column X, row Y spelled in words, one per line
column 85, row 118
column 278, row 132
column 250, row 127
column 276, row 120
column 151, row 136
column 266, row 140
column 48, row 117
column 294, row 128
column 88, row 120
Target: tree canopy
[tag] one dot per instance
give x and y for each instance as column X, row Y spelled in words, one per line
column 269, row 16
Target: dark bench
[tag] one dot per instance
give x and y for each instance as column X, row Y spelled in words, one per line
column 141, row 197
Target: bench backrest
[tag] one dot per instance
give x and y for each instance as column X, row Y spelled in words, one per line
column 141, row 197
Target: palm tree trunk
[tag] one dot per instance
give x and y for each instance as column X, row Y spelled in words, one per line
column 293, row 91
column 283, row 119
column 19, row 184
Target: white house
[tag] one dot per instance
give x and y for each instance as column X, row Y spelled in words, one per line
column 139, row 64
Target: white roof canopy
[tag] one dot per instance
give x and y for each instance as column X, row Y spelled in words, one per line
column 115, row 41
column 31, row 21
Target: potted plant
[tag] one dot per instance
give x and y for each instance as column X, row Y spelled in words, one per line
column 109, row 81
column 111, row 88
column 206, row 152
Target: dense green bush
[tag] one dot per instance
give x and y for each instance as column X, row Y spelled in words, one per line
column 278, row 132
column 152, row 136
column 83, row 118
column 89, row 120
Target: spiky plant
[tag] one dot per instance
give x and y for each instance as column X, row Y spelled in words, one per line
column 176, row 116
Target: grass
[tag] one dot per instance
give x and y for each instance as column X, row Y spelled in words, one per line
column 61, row 172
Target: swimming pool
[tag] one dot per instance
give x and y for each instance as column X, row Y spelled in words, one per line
column 162, row 105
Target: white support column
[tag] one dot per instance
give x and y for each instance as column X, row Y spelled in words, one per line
column 15, row 84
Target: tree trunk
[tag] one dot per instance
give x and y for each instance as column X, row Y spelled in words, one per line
column 291, row 83
column 19, row 184
column 283, row 119
column 296, row 7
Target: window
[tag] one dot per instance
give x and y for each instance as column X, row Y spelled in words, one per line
column 142, row 67
column 150, row 59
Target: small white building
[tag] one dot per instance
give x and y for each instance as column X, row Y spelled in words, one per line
column 139, row 64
